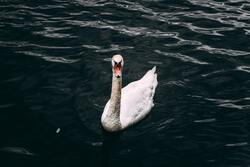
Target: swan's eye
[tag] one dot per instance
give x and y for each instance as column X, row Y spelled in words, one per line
column 119, row 64
column 114, row 63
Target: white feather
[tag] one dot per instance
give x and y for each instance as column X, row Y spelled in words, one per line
column 136, row 99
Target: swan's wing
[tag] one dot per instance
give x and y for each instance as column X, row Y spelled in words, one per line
column 137, row 98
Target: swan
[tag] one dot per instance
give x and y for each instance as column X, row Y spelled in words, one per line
column 130, row 104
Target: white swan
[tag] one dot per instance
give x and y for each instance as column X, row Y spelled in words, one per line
column 129, row 105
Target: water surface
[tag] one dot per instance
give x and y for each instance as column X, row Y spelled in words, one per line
column 56, row 78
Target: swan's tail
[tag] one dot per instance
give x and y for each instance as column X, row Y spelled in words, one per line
column 150, row 80
column 153, row 69
column 155, row 82
column 150, row 76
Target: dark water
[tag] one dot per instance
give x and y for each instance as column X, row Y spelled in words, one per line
column 56, row 73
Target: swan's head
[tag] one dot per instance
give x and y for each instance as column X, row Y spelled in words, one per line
column 117, row 65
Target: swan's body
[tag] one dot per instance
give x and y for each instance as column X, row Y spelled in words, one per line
column 131, row 104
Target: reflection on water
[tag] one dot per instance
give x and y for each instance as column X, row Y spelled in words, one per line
column 56, row 78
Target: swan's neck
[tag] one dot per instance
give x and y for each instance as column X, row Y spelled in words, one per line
column 115, row 103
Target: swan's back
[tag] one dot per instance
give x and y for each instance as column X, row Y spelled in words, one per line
column 137, row 99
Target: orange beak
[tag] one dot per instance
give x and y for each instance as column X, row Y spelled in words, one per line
column 118, row 71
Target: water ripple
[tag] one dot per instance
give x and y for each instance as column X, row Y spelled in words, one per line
column 23, row 44
column 6, row 106
column 130, row 31
column 222, row 51
column 50, row 32
column 236, row 144
column 111, row 48
column 175, row 83
column 183, row 42
column 181, row 57
column 206, row 31
column 205, row 120
column 213, row 73
column 114, row 48
column 49, row 58
column 92, row 3
column 17, row 150
column 244, row 68
column 163, row 124
column 229, row 103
